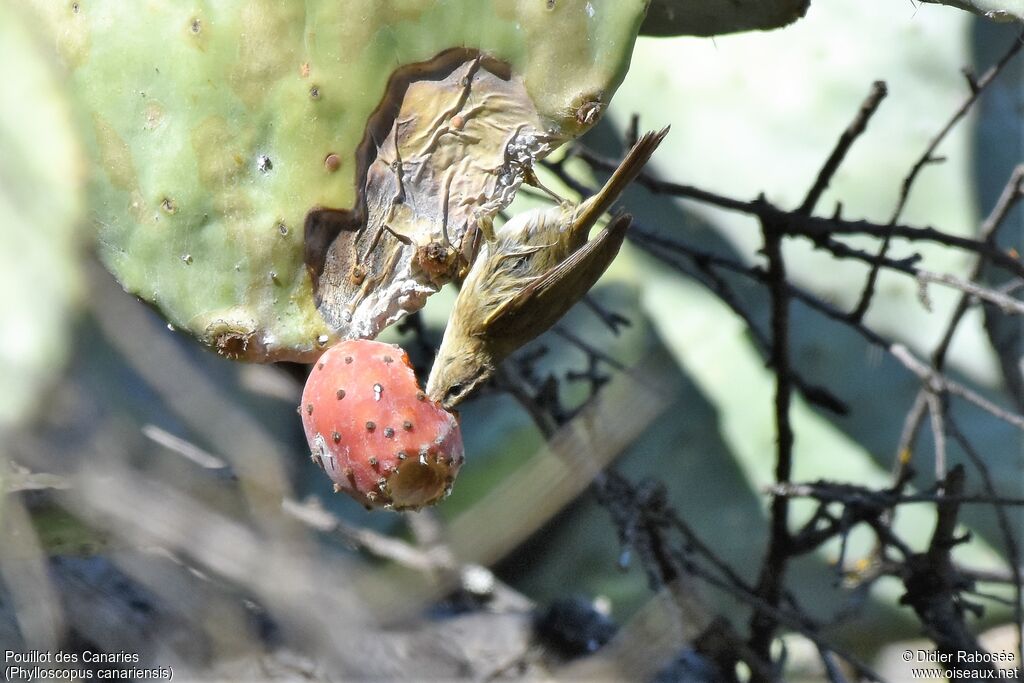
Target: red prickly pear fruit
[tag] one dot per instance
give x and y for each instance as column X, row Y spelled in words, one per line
column 374, row 432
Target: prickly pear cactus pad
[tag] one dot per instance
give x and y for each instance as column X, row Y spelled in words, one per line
column 217, row 127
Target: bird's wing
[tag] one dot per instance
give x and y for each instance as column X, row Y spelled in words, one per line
column 541, row 303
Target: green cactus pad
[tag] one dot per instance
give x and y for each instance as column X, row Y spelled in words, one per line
column 218, row 126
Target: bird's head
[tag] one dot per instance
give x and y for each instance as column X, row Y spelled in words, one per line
column 462, row 364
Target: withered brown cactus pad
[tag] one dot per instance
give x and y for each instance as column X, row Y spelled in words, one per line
column 447, row 148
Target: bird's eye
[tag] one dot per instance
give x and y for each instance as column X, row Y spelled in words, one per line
column 454, row 391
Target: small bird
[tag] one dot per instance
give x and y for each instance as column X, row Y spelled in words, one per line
column 536, row 267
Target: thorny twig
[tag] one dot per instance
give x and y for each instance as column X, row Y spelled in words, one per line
column 1010, row 543
column 935, row 589
column 1009, row 197
column 773, row 570
column 818, row 228
column 846, row 140
column 977, row 87
column 942, row 610
column 660, row 247
column 826, row 492
column 935, row 584
column 646, row 523
column 814, row 393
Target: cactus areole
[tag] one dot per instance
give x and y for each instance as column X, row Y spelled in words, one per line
column 277, row 175
column 373, row 431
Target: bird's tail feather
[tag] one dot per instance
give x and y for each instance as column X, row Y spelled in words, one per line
column 630, row 167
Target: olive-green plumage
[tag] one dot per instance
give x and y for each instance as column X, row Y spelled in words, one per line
column 538, row 265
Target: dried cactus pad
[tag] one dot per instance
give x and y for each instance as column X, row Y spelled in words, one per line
column 218, row 127
column 446, row 150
